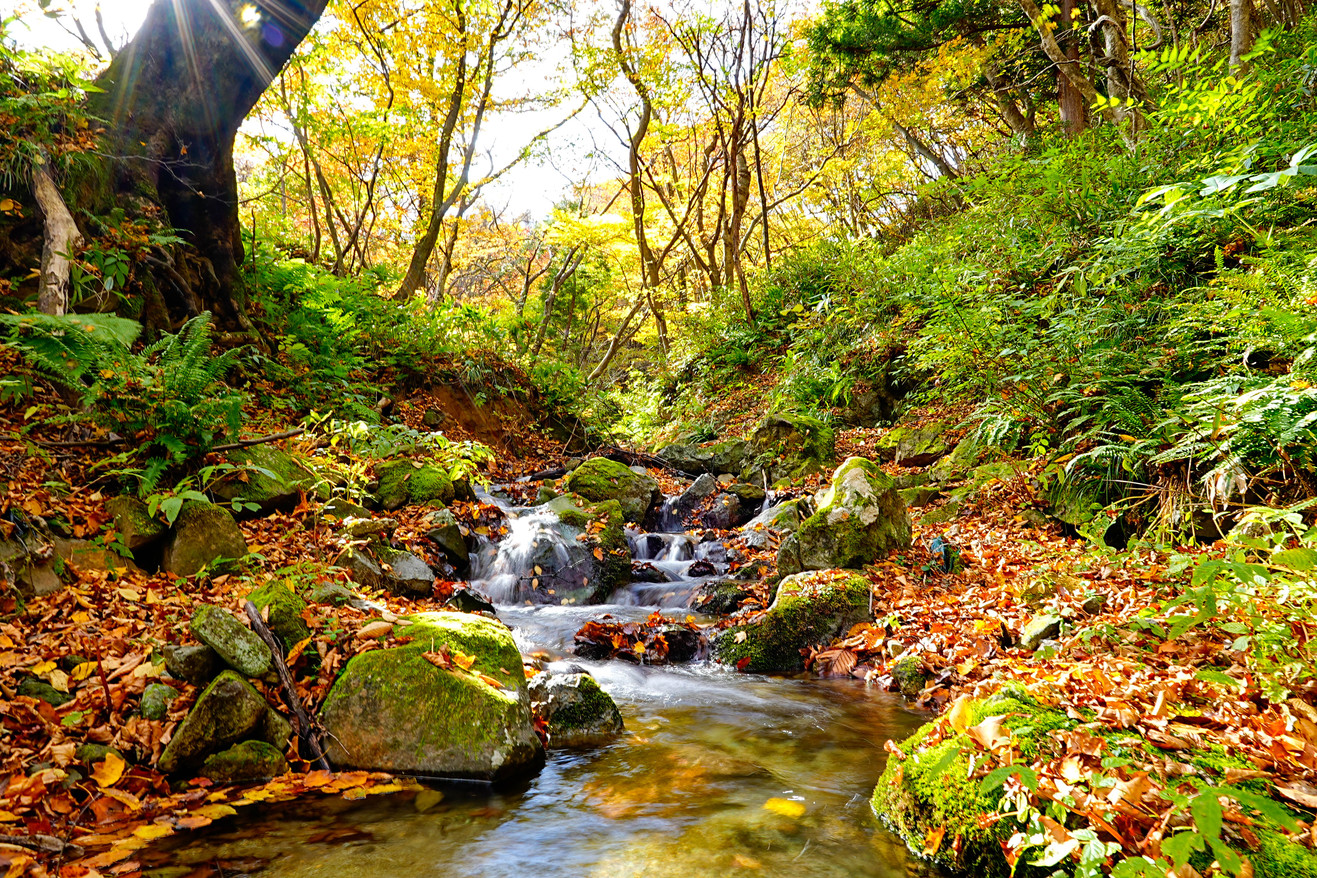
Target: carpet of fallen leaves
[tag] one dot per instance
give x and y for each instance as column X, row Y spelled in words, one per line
column 1109, row 674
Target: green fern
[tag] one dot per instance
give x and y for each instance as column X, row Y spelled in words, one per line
column 69, row 347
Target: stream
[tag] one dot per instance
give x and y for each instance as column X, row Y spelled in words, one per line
column 718, row 772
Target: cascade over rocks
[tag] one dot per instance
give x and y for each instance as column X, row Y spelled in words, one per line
column 861, row 517
column 600, row 479
column 392, row 710
column 810, row 609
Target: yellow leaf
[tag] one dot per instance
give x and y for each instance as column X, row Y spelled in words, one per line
column 489, row 681
column 785, row 807
column 463, row 660
column 128, row 594
column 83, row 671
column 59, row 680
column 216, row 811
column 152, row 831
column 958, row 715
column 933, row 840
column 8, row 816
column 43, row 668
column 107, row 773
column 81, row 617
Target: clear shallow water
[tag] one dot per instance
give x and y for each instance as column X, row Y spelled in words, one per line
column 683, row 793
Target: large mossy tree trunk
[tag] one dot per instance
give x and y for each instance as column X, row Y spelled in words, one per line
column 173, row 100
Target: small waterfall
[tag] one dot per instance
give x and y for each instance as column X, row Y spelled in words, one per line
column 506, row 571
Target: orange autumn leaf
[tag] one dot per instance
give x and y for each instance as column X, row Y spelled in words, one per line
column 107, row 772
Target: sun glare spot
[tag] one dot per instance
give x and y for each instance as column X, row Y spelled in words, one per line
column 249, row 15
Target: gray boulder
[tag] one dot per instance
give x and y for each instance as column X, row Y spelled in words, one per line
column 442, row 529
column 394, row 710
column 860, row 518
column 236, row 644
column 792, row 446
column 155, row 700
column 379, row 566
column 202, row 534
column 248, row 762
column 575, row 710
column 197, row 664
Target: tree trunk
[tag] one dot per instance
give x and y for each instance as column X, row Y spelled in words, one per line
column 1243, row 28
column 61, row 239
column 1074, row 112
column 173, row 100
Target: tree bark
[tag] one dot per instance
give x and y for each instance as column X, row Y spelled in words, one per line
column 174, row 99
column 1243, row 29
column 61, row 239
column 1074, row 112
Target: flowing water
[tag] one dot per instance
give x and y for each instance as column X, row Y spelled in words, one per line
column 718, row 773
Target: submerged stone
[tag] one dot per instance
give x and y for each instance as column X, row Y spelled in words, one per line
column 394, row 710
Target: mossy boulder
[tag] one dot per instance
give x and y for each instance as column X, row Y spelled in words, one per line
column 932, row 788
column 913, row 446
column 576, row 712
column 235, row 643
column 600, row 479
column 958, row 464
column 393, row 710
column 155, row 700
column 31, row 687
column 724, row 457
column 861, row 517
column 719, row 597
column 411, row 483
column 915, row 498
column 791, row 447
column 247, row 762
column 267, row 476
column 133, row 522
column 809, row 610
column 229, row 710
column 197, row 664
column 202, row 534
column 283, row 609
column 910, row 675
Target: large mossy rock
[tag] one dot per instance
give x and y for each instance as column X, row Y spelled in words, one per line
column 283, row 609
column 235, row 643
column 810, row 609
column 229, row 710
column 600, row 479
column 203, row 533
column 725, row 457
column 133, row 522
column 861, row 517
column 393, row 710
column 410, row 483
column 791, row 447
column 576, row 712
column 267, row 476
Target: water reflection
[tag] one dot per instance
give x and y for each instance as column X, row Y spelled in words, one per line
column 683, row 794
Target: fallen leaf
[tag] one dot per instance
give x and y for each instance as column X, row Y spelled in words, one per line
column 785, row 807
column 107, row 772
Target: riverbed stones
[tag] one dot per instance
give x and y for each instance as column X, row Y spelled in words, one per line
column 266, row 476
column 394, row 710
column 236, row 644
column 576, row 712
column 600, row 479
column 247, row 762
column 861, row 517
column 203, row 533
column 409, row 483
column 810, row 609
column 229, row 710
column 391, row 570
